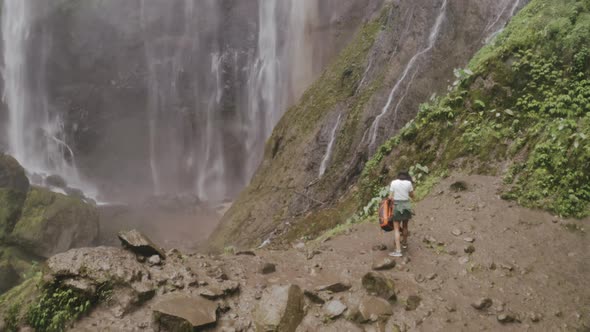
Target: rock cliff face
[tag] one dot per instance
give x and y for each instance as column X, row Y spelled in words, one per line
column 398, row 60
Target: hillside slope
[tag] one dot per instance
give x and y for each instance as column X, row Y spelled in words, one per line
column 532, row 266
column 320, row 146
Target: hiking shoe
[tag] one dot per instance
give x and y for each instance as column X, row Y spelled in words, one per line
column 396, row 254
column 405, row 245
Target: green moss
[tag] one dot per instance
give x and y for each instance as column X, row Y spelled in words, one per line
column 14, row 303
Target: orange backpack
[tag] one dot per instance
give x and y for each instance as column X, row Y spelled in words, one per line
column 386, row 214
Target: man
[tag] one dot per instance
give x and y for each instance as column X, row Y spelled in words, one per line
column 401, row 190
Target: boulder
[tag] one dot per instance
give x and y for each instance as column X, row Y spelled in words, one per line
column 52, row 223
column 181, row 313
column 56, row 181
column 374, row 309
column 140, row 244
column 14, row 186
column 281, row 309
column 87, row 269
column 379, row 285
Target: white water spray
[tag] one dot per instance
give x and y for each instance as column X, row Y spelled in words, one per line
column 409, row 67
column 328, row 154
column 36, row 136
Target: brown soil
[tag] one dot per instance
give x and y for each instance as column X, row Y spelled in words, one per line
column 541, row 266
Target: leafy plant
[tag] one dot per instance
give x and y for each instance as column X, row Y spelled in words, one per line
column 56, row 307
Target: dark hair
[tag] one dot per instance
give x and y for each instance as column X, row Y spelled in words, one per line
column 403, row 175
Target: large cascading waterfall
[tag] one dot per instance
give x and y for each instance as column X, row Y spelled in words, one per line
column 409, row 71
column 271, row 87
column 35, row 135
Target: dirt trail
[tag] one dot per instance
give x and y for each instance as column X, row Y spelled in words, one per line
column 528, row 262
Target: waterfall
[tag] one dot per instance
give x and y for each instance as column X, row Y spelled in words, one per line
column 409, row 67
column 36, row 134
column 328, row 153
column 282, row 68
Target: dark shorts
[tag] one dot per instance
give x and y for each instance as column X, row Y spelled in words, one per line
column 404, row 215
column 402, row 211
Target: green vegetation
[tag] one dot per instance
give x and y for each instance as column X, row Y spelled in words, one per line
column 524, row 105
column 56, row 307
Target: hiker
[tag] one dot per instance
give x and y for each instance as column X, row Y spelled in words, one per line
column 401, row 190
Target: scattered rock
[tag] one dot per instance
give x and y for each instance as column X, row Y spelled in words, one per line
column 183, row 313
column 470, row 249
column 419, row 278
column 336, row 287
column 281, row 309
column 226, row 288
column 429, row 239
column 506, row 318
column 379, row 247
column 140, row 244
column 412, row 302
column 463, row 260
column 245, row 253
column 373, row 309
column 313, row 297
column 507, row 267
column 456, row 232
column 451, row 307
column 482, row 304
column 432, row 276
column 469, row 239
column 334, row 309
column 312, row 253
column 154, row 260
column 379, row 285
column 268, row 268
column 383, row 264
column 458, row 186
column 492, row 266
column 535, row 317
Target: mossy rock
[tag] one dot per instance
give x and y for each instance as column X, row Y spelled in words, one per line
column 16, row 265
column 15, row 302
column 13, row 191
column 52, row 223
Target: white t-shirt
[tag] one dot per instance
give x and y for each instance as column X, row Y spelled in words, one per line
column 401, row 189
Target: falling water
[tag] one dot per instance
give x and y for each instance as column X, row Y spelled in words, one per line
column 36, row 136
column 271, row 87
column 409, row 67
column 328, row 153
column 495, row 33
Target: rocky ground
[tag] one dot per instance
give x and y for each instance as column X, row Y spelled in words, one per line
column 474, row 262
